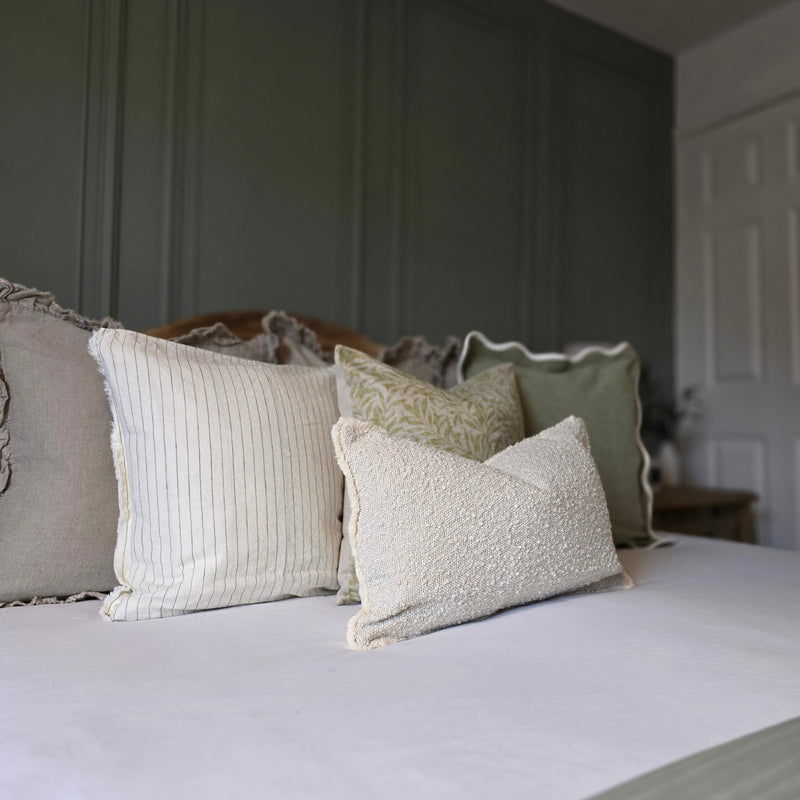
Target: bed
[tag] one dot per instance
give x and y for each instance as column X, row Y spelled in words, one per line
column 576, row 696
column 561, row 699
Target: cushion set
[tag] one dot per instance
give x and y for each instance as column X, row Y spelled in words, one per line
column 178, row 476
column 58, row 491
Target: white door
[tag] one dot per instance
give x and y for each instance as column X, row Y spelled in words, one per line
column 738, row 311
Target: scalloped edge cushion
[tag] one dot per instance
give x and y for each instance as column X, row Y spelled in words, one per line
column 600, row 385
column 58, row 507
column 439, row 539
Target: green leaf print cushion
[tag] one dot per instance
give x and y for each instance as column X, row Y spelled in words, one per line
column 476, row 419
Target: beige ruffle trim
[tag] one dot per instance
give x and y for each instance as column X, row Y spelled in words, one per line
column 46, row 601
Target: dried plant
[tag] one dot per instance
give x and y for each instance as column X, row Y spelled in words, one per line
column 662, row 412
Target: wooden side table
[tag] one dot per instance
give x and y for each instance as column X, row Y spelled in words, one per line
column 716, row 513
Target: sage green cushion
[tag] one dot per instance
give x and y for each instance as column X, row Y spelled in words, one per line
column 598, row 385
column 475, row 420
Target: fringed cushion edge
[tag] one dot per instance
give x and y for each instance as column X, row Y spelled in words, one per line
column 46, row 601
column 5, row 455
column 45, row 303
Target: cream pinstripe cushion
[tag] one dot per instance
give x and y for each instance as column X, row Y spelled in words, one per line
column 440, row 539
column 228, row 487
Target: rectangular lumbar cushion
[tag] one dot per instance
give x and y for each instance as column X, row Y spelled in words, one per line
column 475, row 420
column 228, row 486
column 439, row 539
column 599, row 385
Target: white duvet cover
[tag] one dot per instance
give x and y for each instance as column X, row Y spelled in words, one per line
column 560, row 699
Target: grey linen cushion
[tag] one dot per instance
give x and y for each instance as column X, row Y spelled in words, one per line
column 58, row 509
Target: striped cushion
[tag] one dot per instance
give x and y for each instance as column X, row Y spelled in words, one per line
column 228, row 487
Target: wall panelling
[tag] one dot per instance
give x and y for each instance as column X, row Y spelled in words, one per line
column 400, row 166
column 44, row 53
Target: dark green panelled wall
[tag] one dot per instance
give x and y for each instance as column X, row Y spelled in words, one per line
column 399, row 166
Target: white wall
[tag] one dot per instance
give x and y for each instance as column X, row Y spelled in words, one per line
column 742, row 69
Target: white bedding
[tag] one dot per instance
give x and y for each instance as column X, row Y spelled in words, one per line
column 560, row 699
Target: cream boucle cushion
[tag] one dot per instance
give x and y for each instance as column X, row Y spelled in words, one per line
column 228, row 486
column 439, row 539
column 475, row 420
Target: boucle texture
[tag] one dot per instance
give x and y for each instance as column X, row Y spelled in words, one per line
column 228, row 486
column 439, row 539
column 475, row 420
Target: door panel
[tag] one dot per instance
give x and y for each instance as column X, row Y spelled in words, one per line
column 738, row 326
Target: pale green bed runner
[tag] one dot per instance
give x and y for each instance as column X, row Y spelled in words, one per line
column 761, row 766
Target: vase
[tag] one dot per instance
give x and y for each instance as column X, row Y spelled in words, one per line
column 668, row 459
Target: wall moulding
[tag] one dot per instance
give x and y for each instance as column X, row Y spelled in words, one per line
column 181, row 178
column 447, row 111
column 356, row 138
column 358, row 146
column 794, row 289
column 101, row 181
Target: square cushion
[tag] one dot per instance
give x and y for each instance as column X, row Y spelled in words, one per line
column 599, row 385
column 228, row 486
column 58, row 509
column 474, row 420
column 439, row 539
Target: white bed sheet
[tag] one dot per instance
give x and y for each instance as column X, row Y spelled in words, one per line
column 559, row 699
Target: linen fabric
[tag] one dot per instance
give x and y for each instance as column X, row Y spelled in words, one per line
column 416, row 356
column 439, row 539
column 284, row 340
column 599, row 385
column 228, row 487
column 475, row 420
column 58, row 508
